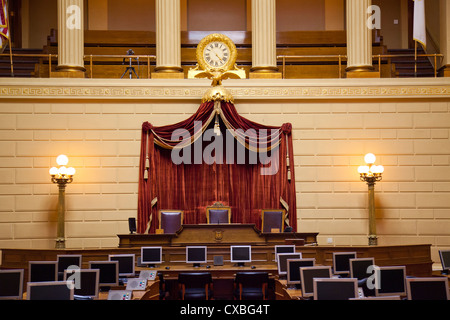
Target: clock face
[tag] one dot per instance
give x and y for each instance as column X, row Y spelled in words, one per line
column 216, row 54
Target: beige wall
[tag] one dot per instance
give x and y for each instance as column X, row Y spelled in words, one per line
column 97, row 124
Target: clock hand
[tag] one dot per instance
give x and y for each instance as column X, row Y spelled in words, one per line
column 218, row 56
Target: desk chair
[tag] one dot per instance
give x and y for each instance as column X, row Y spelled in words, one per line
column 272, row 219
column 170, row 220
column 218, row 213
column 251, row 285
column 195, row 285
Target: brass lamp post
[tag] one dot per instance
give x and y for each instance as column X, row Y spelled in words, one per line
column 371, row 173
column 61, row 176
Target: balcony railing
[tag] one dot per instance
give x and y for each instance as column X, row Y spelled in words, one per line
column 284, row 59
column 340, row 58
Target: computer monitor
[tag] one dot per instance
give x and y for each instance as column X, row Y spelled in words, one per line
column 282, row 261
column 126, row 264
column 335, row 288
column 293, row 269
column 428, row 288
column 65, row 261
column 308, row 274
column 241, row 254
column 49, row 290
column 445, row 260
column 196, row 255
column 68, row 260
column 341, row 262
column 109, row 272
column 151, row 256
column 86, row 281
column 390, row 281
column 288, row 248
column 359, row 267
column 11, row 284
column 42, row 271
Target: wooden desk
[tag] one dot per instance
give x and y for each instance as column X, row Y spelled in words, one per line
column 215, row 234
column 227, row 271
column 151, row 292
column 282, row 292
column 222, row 276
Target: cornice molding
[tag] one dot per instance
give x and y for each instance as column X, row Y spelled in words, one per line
column 194, row 89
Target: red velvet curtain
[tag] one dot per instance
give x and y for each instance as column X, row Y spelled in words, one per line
column 219, row 176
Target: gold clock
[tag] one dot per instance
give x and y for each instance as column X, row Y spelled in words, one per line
column 216, row 52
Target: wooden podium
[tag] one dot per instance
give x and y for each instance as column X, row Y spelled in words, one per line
column 216, row 234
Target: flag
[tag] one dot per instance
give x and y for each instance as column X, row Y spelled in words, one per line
column 4, row 30
column 420, row 34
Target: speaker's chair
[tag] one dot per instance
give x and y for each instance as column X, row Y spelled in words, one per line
column 170, row 220
column 218, row 213
column 272, row 219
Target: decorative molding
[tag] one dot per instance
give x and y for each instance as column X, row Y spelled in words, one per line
column 193, row 89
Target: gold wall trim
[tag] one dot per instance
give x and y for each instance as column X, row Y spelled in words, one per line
column 194, row 89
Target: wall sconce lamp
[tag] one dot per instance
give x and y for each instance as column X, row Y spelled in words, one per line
column 371, row 174
column 62, row 176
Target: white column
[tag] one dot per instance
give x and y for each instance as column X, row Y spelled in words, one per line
column 168, row 40
column 359, row 37
column 264, row 40
column 70, row 36
column 445, row 37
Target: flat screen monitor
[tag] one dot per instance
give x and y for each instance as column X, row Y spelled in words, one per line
column 196, row 255
column 42, row 271
column 126, row 264
column 282, row 261
column 86, row 281
column 307, row 276
column 11, row 284
column 51, row 290
column 293, row 269
column 241, row 254
column 341, row 262
column 359, row 267
column 390, row 281
column 68, row 260
column 432, row 288
column 108, row 272
column 151, row 256
column 335, row 288
column 283, row 249
column 445, row 260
